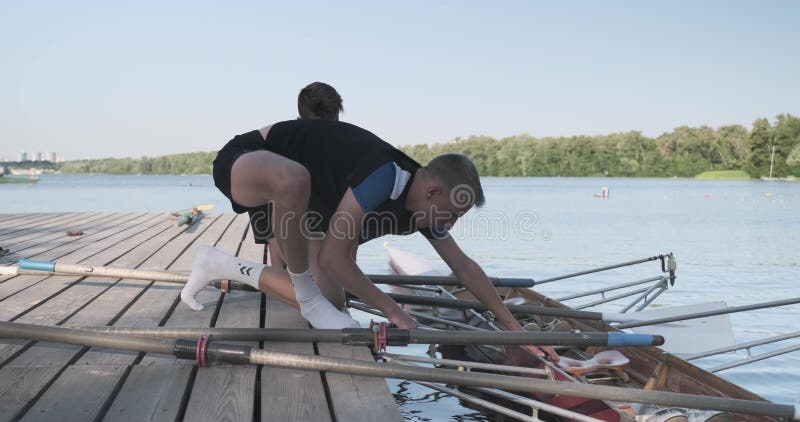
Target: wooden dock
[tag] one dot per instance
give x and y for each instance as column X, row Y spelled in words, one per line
column 55, row 382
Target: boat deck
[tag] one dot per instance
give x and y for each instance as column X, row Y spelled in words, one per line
column 45, row 381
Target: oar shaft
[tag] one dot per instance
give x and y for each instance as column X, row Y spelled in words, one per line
column 522, row 384
column 467, row 304
column 596, row 270
column 415, row 280
column 241, row 334
column 239, row 354
column 35, row 267
column 535, row 338
column 83, row 337
column 724, row 311
column 53, row 267
column 395, row 337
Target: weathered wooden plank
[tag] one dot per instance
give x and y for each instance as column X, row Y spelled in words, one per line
column 163, row 398
column 358, row 397
column 60, row 307
column 57, row 243
column 45, row 247
column 234, row 388
column 25, row 239
column 30, row 220
column 150, row 309
column 10, row 230
column 105, row 241
column 66, row 399
column 28, row 216
column 21, row 385
column 63, row 244
column 287, row 394
column 102, row 310
column 182, row 315
column 151, row 393
column 144, row 311
column 61, row 223
column 238, row 309
column 40, row 225
column 10, row 217
column 51, row 247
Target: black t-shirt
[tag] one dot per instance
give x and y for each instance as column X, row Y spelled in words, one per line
column 339, row 156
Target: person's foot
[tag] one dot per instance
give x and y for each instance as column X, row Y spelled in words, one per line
column 206, row 261
column 320, row 313
column 314, row 307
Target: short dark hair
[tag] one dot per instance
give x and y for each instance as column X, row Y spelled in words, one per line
column 460, row 176
column 319, row 100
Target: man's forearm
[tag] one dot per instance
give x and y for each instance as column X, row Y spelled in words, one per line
column 476, row 281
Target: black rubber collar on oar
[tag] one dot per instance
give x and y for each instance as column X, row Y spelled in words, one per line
column 204, row 351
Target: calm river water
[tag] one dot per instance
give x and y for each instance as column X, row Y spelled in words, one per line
column 734, row 241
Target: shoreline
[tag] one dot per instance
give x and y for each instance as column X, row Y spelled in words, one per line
column 752, row 179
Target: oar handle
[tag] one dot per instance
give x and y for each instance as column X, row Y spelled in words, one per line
column 33, row 264
column 625, row 339
column 515, row 282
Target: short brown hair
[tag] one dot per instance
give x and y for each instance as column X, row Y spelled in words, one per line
column 460, row 176
column 319, row 100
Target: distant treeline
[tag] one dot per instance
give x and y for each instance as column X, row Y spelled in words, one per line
column 189, row 163
column 44, row 165
column 683, row 152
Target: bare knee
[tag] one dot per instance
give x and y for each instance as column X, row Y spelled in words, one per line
column 258, row 177
column 294, row 186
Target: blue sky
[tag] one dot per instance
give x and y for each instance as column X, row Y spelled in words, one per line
column 95, row 79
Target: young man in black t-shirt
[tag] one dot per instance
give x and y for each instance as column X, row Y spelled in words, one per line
column 334, row 185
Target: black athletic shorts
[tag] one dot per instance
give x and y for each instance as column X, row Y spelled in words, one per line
column 261, row 216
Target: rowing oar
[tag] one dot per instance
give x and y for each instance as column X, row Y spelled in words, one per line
column 203, row 351
column 724, row 311
column 34, row 267
column 394, row 336
column 668, row 266
column 439, row 280
column 522, row 309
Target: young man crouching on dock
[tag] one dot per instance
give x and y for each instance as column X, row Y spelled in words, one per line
column 333, row 186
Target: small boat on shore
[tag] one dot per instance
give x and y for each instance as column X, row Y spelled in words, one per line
column 640, row 368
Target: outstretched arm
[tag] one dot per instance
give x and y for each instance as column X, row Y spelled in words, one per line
column 472, row 276
column 335, row 260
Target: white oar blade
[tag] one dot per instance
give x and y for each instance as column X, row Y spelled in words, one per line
column 405, row 263
column 690, row 336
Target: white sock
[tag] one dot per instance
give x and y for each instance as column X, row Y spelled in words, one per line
column 315, row 308
column 212, row 264
column 304, row 286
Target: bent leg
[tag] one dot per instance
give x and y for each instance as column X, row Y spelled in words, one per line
column 212, row 264
column 275, row 256
column 261, row 177
column 330, row 288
